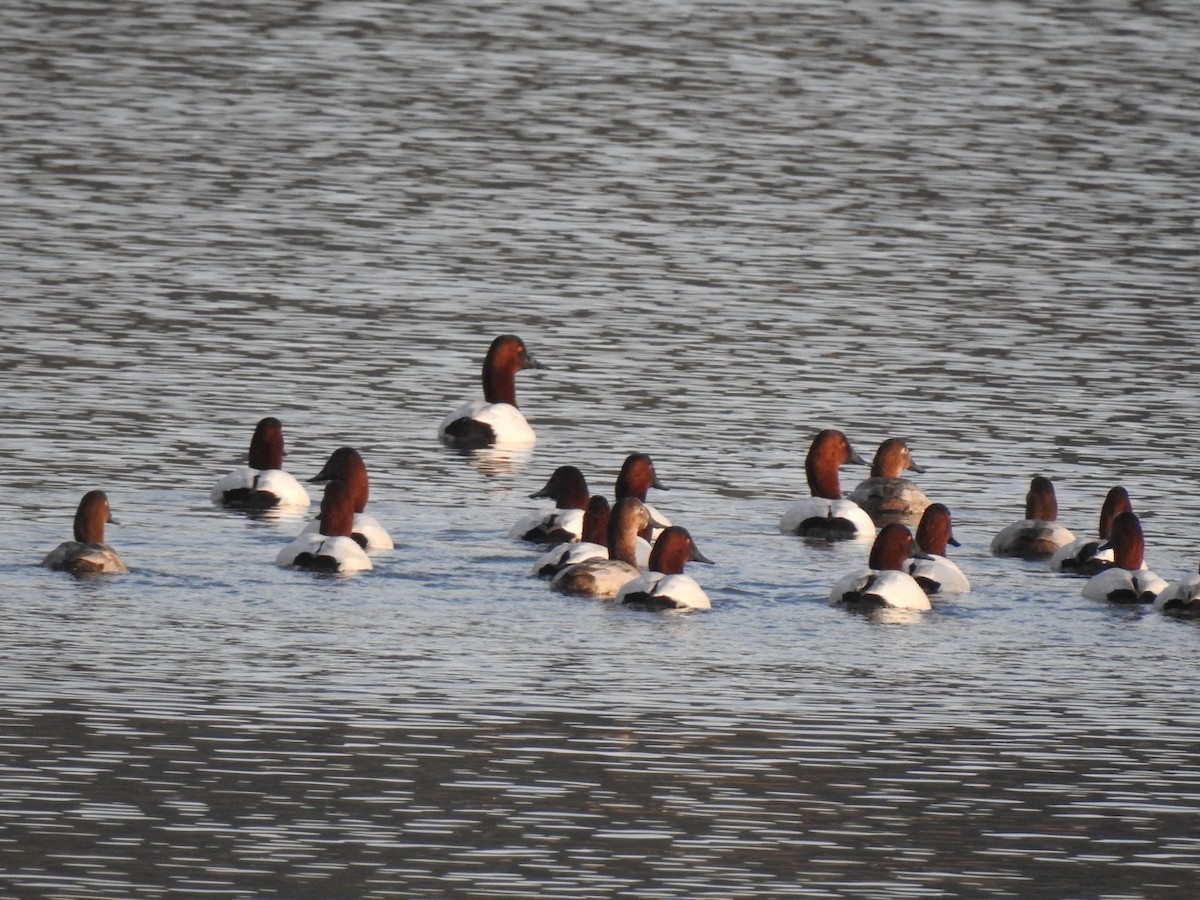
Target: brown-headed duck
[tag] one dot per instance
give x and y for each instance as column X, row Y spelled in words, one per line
column 262, row 484
column 495, row 420
column 827, row 515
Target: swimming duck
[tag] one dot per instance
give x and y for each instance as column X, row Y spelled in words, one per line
column 262, row 484
column 885, row 495
column 1180, row 598
column 665, row 586
column 1083, row 556
column 88, row 554
column 495, row 420
column 885, row 582
column 346, row 464
column 934, row 572
column 1126, row 580
column 603, row 578
column 1039, row 534
column 331, row 549
column 826, row 514
column 569, row 490
column 635, row 479
column 592, row 543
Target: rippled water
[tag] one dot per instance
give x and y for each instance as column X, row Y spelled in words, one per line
column 724, row 226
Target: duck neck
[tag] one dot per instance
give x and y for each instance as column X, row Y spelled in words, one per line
column 266, row 447
column 90, row 518
column 671, row 552
column 500, row 375
column 623, row 527
column 823, row 480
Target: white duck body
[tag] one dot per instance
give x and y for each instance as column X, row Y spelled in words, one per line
column 282, row 485
column 820, row 517
column 334, row 554
column 886, row 587
column 508, row 424
column 938, row 575
column 1180, row 598
column 661, row 591
column 366, row 532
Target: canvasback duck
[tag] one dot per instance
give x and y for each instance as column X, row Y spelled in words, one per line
column 603, row 578
column 592, row 543
column 1180, row 598
column 886, row 495
column 885, row 582
column 331, row 549
column 1126, row 580
column 827, row 514
column 569, row 490
column 88, row 554
column 262, row 484
column 934, row 572
column 635, row 479
column 1039, row 534
column 346, row 464
column 1083, row 556
column 665, row 586
column 495, row 420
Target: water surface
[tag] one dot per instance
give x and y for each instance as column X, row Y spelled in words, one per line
column 724, row 226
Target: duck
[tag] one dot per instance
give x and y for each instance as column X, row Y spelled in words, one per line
column 1126, row 580
column 495, row 420
column 592, row 543
column 827, row 515
column 635, row 479
column 1180, row 598
column 934, row 572
column 665, row 586
column 331, row 549
column 88, row 554
column 1083, row 556
column 263, row 484
column 885, row 583
column 346, row 464
column 1039, row 534
column 886, row 495
column 568, row 488
column 603, row 578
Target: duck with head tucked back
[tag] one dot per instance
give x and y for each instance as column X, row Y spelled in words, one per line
column 1083, row 556
column 827, row 515
column 495, row 420
column 346, row 464
column 1039, row 534
column 884, row 583
column 603, row 578
column 262, row 484
column 1126, row 580
column 665, row 586
column 592, row 543
column 635, row 479
column 331, row 549
column 88, row 554
column 1180, row 598
column 569, row 490
column 886, row 495
column 934, row 572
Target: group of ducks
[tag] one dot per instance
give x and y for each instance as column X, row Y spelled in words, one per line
column 629, row 552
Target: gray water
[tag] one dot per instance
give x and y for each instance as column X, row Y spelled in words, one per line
column 723, row 226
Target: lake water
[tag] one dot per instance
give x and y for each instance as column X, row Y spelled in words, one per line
column 724, row 226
